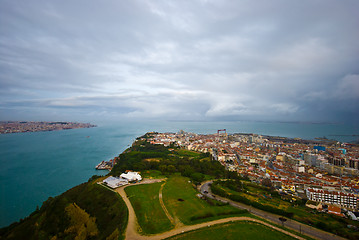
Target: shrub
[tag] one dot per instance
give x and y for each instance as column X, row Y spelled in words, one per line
column 204, row 216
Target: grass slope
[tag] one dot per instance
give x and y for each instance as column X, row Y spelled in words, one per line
column 103, row 215
column 238, row 230
column 181, row 201
column 253, row 194
column 150, row 215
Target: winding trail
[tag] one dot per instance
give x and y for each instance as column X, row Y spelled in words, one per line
column 174, row 220
column 132, row 226
column 212, row 223
column 132, row 230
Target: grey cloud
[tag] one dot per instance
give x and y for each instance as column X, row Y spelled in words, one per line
column 180, row 59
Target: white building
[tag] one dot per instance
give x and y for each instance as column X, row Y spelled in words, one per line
column 115, row 182
column 347, row 200
column 298, row 168
column 131, row 176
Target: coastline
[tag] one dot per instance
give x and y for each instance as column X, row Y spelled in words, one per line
column 7, row 127
column 38, row 161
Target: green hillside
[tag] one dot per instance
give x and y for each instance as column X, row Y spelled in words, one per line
column 87, row 211
column 142, row 156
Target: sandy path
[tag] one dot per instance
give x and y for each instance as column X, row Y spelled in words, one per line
column 174, row 220
column 208, row 224
column 164, row 207
column 133, row 227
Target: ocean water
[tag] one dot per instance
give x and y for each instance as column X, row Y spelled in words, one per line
column 35, row 166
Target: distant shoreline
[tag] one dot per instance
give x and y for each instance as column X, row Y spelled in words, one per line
column 7, row 127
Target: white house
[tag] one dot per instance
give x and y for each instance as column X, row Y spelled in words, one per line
column 131, row 176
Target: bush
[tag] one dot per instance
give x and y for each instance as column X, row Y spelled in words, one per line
column 204, row 216
column 323, row 226
column 239, row 211
column 94, row 177
column 214, row 202
column 216, row 189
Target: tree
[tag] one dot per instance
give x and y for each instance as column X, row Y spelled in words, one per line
column 267, row 182
column 283, row 220
column 163, row 168
column 171, row 169
column 197, row 177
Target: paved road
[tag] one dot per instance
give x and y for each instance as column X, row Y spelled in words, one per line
column 299, row 227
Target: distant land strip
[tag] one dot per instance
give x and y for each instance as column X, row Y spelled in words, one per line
column 348, row 135
column 25, row 126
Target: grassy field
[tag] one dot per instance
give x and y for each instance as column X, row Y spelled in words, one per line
column 238, row 230
column 152, row 174
column 183, row 152
column 181, row 201
column 150, row 215
column 191, row 154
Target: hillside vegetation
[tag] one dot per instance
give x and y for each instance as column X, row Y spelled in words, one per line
column 87, row 211
column 168, row 160
column 271, row 201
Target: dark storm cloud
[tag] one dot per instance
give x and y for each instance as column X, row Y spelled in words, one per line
column 274, row 60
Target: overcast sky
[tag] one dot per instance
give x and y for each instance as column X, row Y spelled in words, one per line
column 184, row 60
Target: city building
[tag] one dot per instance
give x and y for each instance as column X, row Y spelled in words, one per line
column 342, row 199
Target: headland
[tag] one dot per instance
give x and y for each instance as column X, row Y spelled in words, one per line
column 24, row 126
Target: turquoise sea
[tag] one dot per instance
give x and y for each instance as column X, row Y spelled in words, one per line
column 35, row 166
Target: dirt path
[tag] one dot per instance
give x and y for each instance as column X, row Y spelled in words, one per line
column 164, row 207
column 208, row 224
column 132, row 230
column 132, row 226
column 174, row 220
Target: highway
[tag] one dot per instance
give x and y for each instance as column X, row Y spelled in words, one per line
column 292, row 224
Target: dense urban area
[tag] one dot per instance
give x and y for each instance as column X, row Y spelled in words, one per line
column 16, row 127
column 324, row 172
